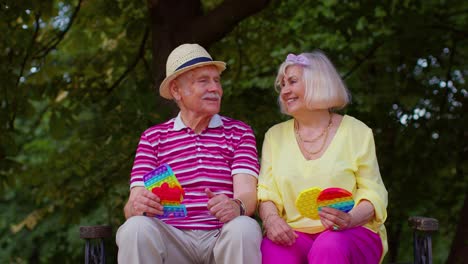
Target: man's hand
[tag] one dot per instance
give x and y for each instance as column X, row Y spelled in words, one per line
column 142, row 201
column 223, row 208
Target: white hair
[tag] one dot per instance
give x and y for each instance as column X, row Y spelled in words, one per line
column 324, row 88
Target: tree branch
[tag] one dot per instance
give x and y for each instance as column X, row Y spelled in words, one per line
column 52, row 44
column 28, row 51
column 360, row 62
column 23, row 66
column 140, row 55
column 217, row 23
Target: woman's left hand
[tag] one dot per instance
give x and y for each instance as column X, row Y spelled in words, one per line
column 334, row 219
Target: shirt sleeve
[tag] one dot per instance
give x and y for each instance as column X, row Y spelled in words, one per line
column 145, row 161
column 267, row 189
column 369, row 182
column 245, row 155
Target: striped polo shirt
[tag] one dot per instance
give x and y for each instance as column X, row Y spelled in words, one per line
column 209, row 159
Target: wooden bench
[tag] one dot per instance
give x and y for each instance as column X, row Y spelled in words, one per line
column 423, row 227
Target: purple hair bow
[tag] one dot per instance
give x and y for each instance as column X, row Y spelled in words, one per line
column 298, row 59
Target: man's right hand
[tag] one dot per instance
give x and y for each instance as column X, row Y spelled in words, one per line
column 142, row 201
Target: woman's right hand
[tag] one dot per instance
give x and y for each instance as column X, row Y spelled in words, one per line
column 278, row 231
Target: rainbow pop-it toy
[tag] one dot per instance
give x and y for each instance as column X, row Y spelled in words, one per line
column 163, row 182
column 310, row 201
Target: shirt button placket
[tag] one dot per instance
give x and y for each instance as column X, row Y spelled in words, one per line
column 197, row 140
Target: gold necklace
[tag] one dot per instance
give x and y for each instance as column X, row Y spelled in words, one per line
column 325, row 129
column 301, row 141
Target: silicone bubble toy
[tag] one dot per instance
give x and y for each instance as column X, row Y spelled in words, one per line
column 311, row 201
column 306, row 203
column 163, row 182
column 336, row 198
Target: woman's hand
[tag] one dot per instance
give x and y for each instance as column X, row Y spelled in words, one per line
column 360, row 215
column 334, row 219
column 278, row 231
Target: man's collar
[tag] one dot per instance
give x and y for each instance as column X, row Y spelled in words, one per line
column 214, row 122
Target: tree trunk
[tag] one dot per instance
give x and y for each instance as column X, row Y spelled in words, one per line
column 394, row 236
column 459, row 249
column 183, row 21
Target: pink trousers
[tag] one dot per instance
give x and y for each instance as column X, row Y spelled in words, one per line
column 352, row 246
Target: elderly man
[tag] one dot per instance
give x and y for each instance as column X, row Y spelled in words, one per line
column 215, row 161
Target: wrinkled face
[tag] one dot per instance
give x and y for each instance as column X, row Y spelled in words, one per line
column 293, row 90
column 199, row 91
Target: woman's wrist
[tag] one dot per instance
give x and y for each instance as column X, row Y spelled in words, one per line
column 268, row 217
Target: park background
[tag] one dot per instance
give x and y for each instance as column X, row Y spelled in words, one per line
column 79, row 78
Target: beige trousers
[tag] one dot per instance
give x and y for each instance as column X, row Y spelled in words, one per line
column 148, row 240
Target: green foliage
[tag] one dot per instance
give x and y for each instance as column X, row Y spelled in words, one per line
column 70, row 127
column 73, row 104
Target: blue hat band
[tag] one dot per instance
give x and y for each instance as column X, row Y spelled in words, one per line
column 193, row 61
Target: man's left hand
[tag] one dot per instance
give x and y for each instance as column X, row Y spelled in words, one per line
column 222, row 207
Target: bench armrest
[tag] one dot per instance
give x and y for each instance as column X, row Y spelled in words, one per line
column 423, row 227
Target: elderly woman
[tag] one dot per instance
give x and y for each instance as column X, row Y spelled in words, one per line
column 319, row 148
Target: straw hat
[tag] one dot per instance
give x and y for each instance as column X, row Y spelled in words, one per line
column 184, row 58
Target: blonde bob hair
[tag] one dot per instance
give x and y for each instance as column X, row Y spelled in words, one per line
column 324, row 88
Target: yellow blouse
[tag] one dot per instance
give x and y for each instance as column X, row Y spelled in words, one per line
column 349, row 162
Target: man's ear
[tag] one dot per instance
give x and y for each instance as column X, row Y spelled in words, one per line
column 174, row 90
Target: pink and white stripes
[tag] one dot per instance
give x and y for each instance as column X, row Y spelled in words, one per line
column 209, row 159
